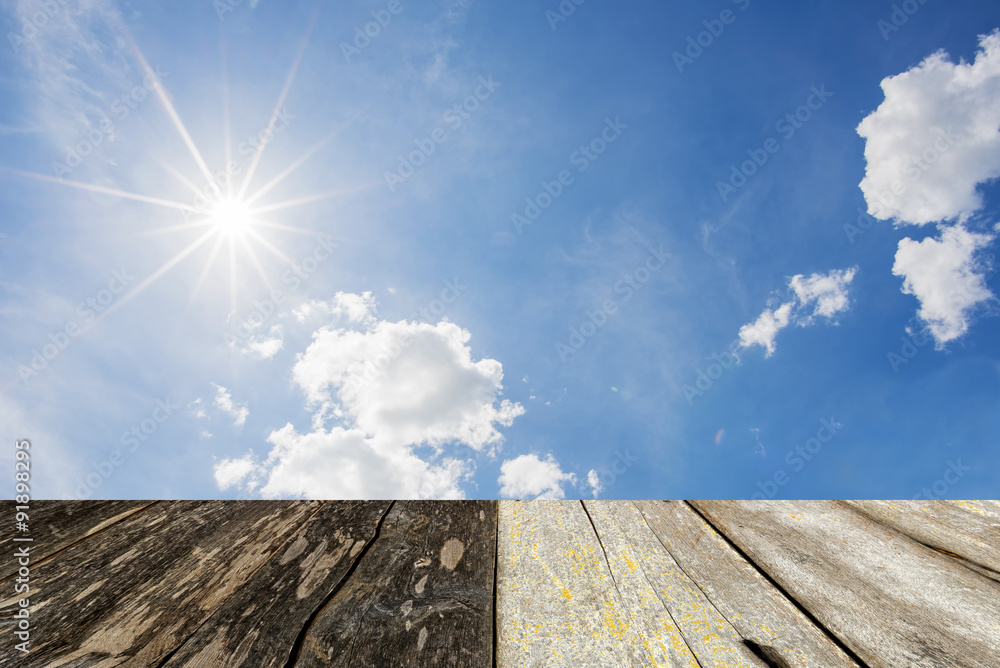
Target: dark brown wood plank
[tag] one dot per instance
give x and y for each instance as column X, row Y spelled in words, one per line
column 55, row 524
column 968, row 529
column 891, row 600
column 258, row 625
column 420, row 596
column 134, row 595
column 758, row 610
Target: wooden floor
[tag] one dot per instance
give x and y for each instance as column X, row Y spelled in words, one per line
column 519, row 584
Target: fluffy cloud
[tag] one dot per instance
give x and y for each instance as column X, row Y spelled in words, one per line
column 819, row 295
column 934, row 138
column 224, row 402
column 594, row 480
column 765, row 328
column 528, row 476
column 947, row 278
column 391, row 388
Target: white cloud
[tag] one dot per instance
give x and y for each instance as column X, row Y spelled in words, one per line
column 594, row 480
column 224, row 402
column 946, row 277
column 528, row 476
column 391, row 388
column 826, row 293
column 766, row 327
column 230, row 472
column 266, row 348
column 936, row 136
column 354, row 308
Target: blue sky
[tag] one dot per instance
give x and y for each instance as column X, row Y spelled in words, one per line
column 629, row 251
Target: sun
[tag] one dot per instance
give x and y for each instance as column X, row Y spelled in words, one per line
column 229, row 217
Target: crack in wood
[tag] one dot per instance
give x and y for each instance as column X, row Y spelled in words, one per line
column 812, row 618
column 296, row 648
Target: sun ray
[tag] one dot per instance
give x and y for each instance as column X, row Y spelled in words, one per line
column 295, row 165
column 172, row 228
column 167, row 266
column 161, row 93
column 280, row 103
column 208, row 266
column 232, row 274
column 226, row 119
column 306, row 200
column 256, row 263
column 102, row 189
column 271, row 247
column 283, row 226
column 180, row 177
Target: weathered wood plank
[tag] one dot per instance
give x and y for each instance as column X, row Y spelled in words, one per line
column 258, row 625
column 422, row 595
column 893, row 601
column 55, row 524
column 133, row 596
column 558, row 604
column 758, row 610
column 969, row 529
column 648, row 579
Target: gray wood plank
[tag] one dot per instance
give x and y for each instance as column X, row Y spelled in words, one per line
column 53, row 525
column 893, row 601
column 648, row 578
column 968, row 529
column 559, row 604
column 136, row 594
column 758, row 610
column 259, row 624
column 422, row 595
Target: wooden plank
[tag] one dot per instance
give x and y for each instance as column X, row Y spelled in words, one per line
column 968, row 529
column 422, row 595
column 53, row 525
column 259, row 624
column 559, row 604
column 133, row 596
column 893, row 601
column 648, row 578
column 757, row 610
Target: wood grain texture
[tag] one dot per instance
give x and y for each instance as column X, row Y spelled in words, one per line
column 894, row 602
column 258, row 625
column 559, row 603
column 53, row 525
column 647, row 578
column 757, row 610
column 132, row 593
column 422, row 595
column 968, row 529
